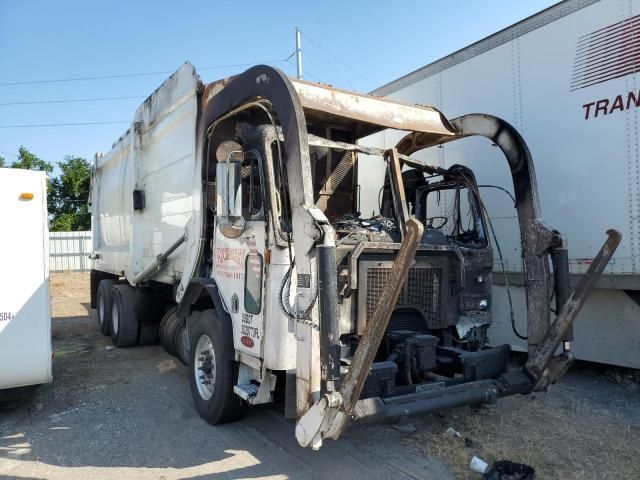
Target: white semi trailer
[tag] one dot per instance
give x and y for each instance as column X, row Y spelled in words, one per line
column 567, row 79
column 234, row 211
column 25, row 318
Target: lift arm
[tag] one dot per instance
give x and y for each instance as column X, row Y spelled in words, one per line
column 542, row 366
column 329, row 416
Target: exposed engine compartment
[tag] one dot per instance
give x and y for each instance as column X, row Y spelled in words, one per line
column 437, row 331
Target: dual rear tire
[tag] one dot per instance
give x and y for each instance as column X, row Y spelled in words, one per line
column 124, row 319
column 117, row 315
column 206, row 347
column 103, row 305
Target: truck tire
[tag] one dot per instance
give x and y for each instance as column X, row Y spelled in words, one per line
column 167, row 330
column 150, row 308
column 124, row 321
column 148, row 333
column 181, row 344
column 213, row 371
column 103, row 305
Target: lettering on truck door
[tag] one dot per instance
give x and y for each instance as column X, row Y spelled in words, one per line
column 238, row 263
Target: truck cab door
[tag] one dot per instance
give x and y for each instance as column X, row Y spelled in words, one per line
column 238, row 254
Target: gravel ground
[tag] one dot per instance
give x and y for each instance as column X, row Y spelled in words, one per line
column 127, row 413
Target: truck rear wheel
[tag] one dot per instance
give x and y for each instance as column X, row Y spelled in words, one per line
column 148, row 333
column 124, row 321
column 213, row 370
column 167, row 329
column 103, row 305
column 150, row 307
column 181, row 344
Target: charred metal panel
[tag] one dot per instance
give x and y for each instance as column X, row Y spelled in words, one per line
column 535, row 237
column 372, row 114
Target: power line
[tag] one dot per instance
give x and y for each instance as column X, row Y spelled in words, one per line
column 129, row 75
column 335, row 57
column 69, row 100
column 32, row 125
column 307, row 72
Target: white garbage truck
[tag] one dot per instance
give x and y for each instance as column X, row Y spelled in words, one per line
column 25, row 316
column 228, row 221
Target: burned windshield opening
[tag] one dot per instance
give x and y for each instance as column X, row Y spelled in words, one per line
column 448, row 205
column 451, row 208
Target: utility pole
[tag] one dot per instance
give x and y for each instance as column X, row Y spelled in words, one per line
column 298, row 52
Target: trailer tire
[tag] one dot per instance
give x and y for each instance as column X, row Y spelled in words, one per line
column 124, row 320
column 211, row 358
column 103, row 305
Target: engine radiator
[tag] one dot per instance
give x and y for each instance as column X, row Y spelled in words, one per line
column 423, row 292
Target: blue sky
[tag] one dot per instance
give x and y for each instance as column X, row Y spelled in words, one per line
column 350, row 44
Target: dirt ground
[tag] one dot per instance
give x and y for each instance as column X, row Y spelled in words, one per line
column 127, row 413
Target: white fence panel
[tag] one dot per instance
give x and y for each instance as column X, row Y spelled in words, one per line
column 69, row 251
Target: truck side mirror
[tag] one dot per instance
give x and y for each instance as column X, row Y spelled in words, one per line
column 229, row 198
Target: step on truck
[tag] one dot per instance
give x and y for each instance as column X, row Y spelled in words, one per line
column 227, row 222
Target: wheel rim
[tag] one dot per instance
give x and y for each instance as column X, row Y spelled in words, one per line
column 115, row 318
column 101, row 310
column 205, row 367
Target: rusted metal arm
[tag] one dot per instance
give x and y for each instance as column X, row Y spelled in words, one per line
column 536, row 238
column 377, row 325
column 397, row 188
column 329, row 416
column 539, row 361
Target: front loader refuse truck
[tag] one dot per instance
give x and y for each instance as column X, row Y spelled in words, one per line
column 227, row 221
column 25, row 316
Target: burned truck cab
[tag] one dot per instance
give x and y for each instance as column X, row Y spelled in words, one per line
column 442, row 314
column 365, row 317
column 455, row 235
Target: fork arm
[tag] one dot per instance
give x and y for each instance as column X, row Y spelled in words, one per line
column 329, row 416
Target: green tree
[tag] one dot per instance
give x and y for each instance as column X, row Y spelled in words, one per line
column 29, row 161
column 70, row 195
column 67, row 194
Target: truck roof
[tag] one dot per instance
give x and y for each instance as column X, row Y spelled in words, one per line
column 368, row 113
column 365, row 114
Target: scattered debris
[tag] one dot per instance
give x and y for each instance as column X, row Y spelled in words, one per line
column 404, row 425
column 502, row 470
column 471, row 443
column 478, row 465
column 453, row 432
column 353, row 229
column 109, row 348
column 505, row 469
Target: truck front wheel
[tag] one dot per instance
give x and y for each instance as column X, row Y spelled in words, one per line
column 213, row 370
column 124, row 321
